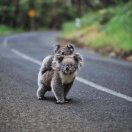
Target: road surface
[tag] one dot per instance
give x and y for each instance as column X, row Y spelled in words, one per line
column 102, row 92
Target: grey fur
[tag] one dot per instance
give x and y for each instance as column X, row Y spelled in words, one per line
column 60, row 78
column 67, row 49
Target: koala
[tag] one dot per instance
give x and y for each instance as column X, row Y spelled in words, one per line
column 65, row 49
column 60, row 79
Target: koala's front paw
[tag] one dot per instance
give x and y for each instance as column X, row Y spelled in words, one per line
column 67, row 100
column 60, row 102
column 41, row 98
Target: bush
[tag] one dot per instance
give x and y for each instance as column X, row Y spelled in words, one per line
column 109, row 27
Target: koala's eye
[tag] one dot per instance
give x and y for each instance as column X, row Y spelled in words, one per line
column 61, row 52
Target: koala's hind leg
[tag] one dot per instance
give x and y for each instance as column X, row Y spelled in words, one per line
column 41, row 92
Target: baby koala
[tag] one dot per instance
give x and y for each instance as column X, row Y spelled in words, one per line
column 63, row 49
column 60, row 78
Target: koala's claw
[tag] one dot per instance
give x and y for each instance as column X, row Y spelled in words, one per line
column 41, row 98
column 68, row 100
column 60, row 102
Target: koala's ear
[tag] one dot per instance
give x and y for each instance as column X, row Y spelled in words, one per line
column 79, row 59
column 57, row 48
column 71, row 47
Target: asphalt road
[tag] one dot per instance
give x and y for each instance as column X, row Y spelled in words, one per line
column 102, row 92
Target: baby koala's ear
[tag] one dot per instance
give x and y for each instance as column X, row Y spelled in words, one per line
column 79, row 59
column 71, row 47
column 57, row 47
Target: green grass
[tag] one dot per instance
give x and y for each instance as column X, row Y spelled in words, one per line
column 5, row 30
column 110, row 27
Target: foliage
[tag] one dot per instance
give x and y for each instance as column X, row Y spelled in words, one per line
column 49, row 13
column 6, row 30
column 108, row 27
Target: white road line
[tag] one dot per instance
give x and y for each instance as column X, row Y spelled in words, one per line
column 5, row 42
column 26, row 57
column 80, row 79
column 101, row 88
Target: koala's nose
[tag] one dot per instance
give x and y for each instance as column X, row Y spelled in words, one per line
column 67, row 68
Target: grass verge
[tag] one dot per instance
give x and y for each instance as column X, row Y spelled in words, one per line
column 105, row 30
column 5, row 30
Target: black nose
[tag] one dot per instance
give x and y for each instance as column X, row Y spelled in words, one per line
column 67, row 68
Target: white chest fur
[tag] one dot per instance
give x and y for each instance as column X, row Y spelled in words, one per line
column 67, row 78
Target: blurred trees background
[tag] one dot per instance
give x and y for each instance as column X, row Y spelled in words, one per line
column 48, row 13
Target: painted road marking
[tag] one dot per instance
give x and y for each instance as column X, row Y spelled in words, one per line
column 79, row 79
column 24, row 56
column 101, row 88
column 5, row 42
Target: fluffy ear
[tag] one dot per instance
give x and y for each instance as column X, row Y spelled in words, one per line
column 57, row 47
column 71, row 47
column 79, row 59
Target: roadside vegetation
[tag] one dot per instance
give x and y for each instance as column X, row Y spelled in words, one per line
column 6, row 30
column 106, row 25
column 105, row 30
